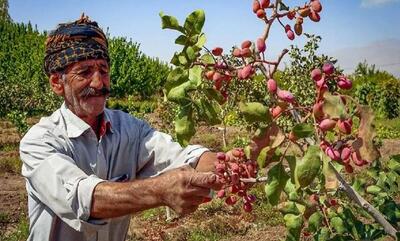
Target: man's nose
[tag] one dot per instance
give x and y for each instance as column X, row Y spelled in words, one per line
column 97, row 81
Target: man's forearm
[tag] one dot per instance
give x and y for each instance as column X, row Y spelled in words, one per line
column 114, row 199
column 182, row 189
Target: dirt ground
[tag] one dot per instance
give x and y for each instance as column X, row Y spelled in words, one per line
column 13, row 201
column 13, row 204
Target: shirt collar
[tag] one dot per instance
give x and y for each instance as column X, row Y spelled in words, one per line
column 75, row 126
column 105, row 124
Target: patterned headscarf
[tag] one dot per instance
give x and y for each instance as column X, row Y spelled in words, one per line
column 73, row 42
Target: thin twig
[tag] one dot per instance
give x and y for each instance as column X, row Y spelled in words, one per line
column 254, row 180
column 326, row 217
column 279, row 60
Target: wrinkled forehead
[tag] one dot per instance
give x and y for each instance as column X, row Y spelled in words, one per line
column 91, row 63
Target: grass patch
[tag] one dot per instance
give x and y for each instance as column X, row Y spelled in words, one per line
column 20, row 233
column 209, row 140
column 10, row 164
column 213, row 234
column 265, row 213
column 4, row 217
column 152, row 214
column 388, row 128
column 9, row 147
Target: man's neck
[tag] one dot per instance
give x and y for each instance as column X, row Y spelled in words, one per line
column 92, row 121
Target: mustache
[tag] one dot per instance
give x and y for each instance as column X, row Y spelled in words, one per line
column 89, row 92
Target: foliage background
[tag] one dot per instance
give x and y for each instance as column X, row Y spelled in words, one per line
column 24, row 84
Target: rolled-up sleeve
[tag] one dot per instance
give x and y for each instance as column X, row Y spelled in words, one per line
column 159, row 153
column 56, row 181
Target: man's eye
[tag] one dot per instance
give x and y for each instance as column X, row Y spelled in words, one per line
column 84, row 72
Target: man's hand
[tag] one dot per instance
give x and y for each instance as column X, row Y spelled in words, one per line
column 184, row 189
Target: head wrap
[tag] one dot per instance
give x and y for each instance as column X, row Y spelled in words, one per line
column 73, row 42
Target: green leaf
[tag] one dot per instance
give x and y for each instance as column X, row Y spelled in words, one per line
column 391, row 210
column 358, row 185
column 292, row 165
column 382, row 179
column 276, row 182
column 315, row 221
column 308, row 168
column 373, row 189
column 207, row 59
column 170, row 22
column 184, row 125
column 288, row 207
column 179, row 86
column 208, row 111
column 194, row 22
column 353, row 225
column 338, row 224
column 175, row 78
column 195, row 76
column 303, row 130
column 182, row 40
column 191, row 54
column 262, row 157
column 333, row 106
column 322, row 234
column 175, row 60
column 255, row 112
column 179, row 94
column 213, row 94
column 394, row 163
column 291, row 191
column 293, row 225
column 182, row 59
column 201, row 40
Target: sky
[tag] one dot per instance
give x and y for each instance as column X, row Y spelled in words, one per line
column 344, row 23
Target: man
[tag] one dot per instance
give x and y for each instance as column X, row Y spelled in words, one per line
column 87, row 167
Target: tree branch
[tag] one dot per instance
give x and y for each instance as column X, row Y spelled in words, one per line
column 353, row 195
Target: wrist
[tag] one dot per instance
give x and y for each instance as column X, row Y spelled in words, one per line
column 146, row 193
column 157, row 190
column 206, row 162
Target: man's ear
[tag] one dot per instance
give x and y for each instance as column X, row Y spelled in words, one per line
column 57, row 84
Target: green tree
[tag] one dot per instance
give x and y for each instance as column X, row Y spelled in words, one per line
column 132, row 72
column 4, row 16
column 24, row 85
column 378, row 89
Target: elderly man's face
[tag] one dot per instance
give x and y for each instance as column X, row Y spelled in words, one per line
column 85, row 84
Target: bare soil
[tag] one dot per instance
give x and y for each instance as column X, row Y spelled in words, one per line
column 13, row 201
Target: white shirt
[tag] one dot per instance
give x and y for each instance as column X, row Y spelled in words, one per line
column 63, row 161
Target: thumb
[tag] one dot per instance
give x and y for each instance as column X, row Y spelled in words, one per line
column 202, row 179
